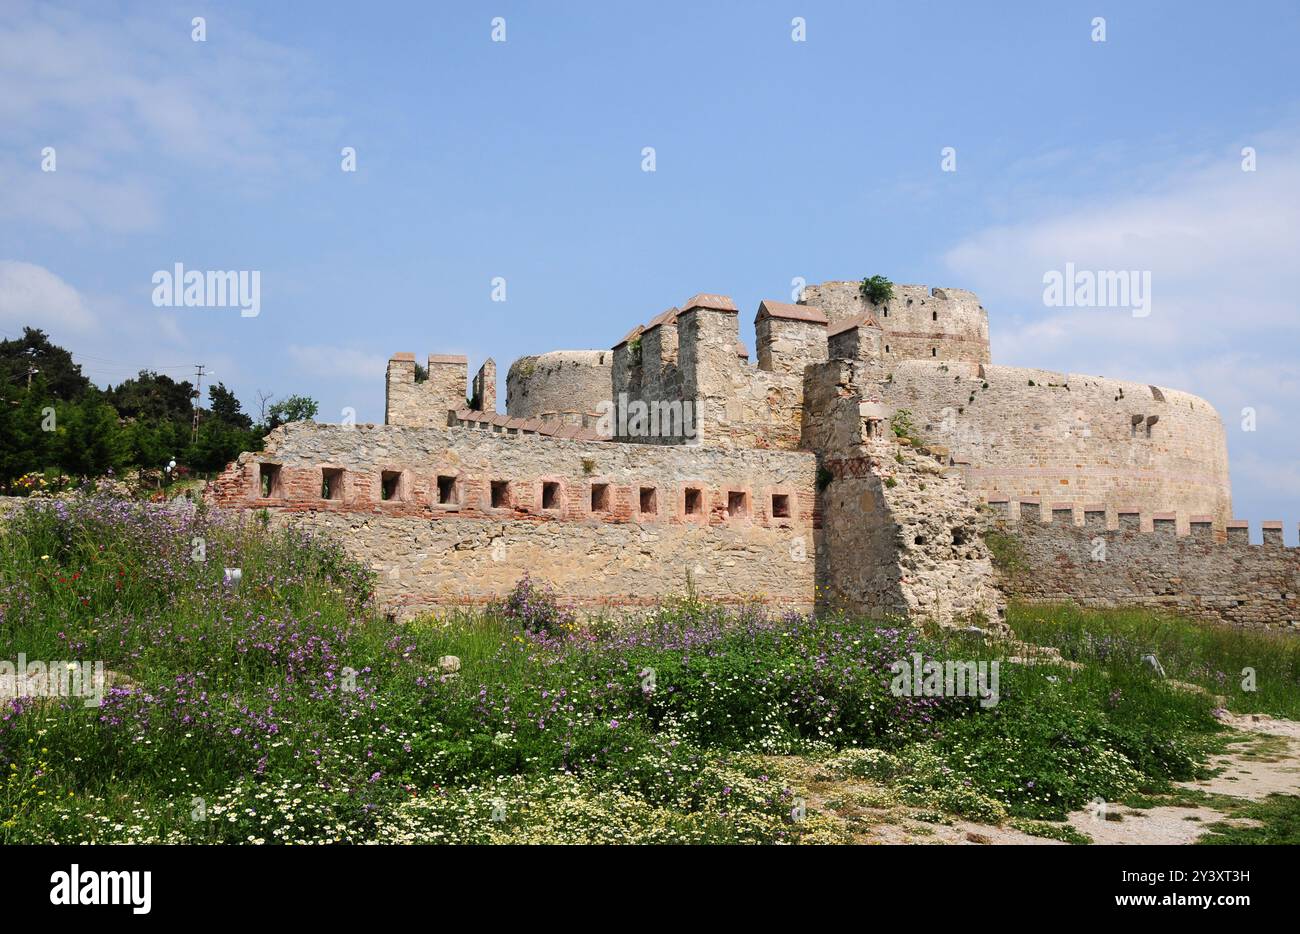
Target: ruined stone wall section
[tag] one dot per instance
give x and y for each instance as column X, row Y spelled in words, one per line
column 903, row 540
column 483, row 391
column 566, row 384
column 919, row 322
column 424, row 404
column 1022, row 432
column 900, row 532
column 1070, row 553
column 609, row 525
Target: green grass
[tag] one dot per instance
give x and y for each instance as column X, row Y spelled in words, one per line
column 1214, row 657
column 1050, row 831
column 1005, row 552
column 1278, row 818
column 290, row 710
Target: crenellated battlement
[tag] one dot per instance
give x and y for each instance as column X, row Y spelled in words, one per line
column 1066, row 552
column 427, row 403
column 893, row 407
column 693, row 353
column 1101, row 518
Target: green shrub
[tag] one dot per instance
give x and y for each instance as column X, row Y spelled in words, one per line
column 902, row 426
column 876, row 289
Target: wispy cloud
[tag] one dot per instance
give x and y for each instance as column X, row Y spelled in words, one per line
column 31, row 295
column 114, row 91
column 1220, row 246
column 334, row 362
column 1214, row 238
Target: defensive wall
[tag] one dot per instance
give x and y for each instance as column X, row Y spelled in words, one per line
column 843, row 466
column 1091, row 555
column 456, row 516
column 1065, row 436
column 564, row 384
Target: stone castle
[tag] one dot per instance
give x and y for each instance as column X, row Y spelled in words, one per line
column 858, row 462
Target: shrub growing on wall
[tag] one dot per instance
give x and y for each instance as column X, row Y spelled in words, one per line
column 902, row 426
column 877, row 290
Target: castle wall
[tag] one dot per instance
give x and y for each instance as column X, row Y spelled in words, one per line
column 696, row 356
column 789, row 337
column 902, row 537
column 1071, row 554
column 626, row 376
column 895, row 523
column 900, row 532
column 1025, row 432
column 597, row 547
column 483, row 391
column 660, row 375
column 919, row 322
column 567, row 384
column 426, row 403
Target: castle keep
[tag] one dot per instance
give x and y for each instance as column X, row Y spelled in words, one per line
column 856, row 461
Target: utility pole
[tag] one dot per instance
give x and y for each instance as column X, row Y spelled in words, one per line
column 198, row 398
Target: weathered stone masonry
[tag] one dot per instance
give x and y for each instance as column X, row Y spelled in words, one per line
column 567, row 385
column 455, row 516
column 900, row 531
column 792, row 485
column 1131, row 558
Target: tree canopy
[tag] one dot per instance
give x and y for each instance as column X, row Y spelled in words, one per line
column 55, row 420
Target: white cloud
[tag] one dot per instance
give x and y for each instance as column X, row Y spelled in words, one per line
column 125, row 98
column 31, row 295
column 69, row 201
column 1220, row 245
column 333, row 362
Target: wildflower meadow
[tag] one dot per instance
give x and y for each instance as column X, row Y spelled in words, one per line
column 279, row 705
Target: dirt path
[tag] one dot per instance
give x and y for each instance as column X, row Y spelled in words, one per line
column 1265, row 760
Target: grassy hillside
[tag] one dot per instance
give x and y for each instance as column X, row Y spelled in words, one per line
column 1252, row 671
column 287, row 709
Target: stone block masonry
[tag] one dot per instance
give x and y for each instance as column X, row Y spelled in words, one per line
column 1066, row 436
column 918, row 323
column 455, row 517
column 901, row 534
column 693, row 353
column 566, row 384
column 847, row 461
column 428, row 403
column 903, row 541
column 1131, row 557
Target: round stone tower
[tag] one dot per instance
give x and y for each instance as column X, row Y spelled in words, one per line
column 565, row 384
column 919, row 322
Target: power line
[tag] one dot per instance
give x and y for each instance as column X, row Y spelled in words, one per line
column 198, row 399
column 105, row 361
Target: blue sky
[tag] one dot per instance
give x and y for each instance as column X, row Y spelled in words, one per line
column 775, row 159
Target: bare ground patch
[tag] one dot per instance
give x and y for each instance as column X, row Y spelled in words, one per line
column 1263, row 759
